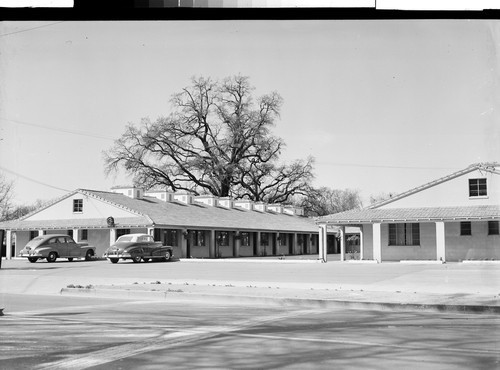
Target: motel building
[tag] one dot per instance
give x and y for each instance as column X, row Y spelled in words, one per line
column 195, row 226
column 454, row 218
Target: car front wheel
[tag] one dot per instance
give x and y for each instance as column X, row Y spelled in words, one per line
column 52, row 257
column 137, row 258
column 70, row 259
column 113, row 260
column 32, row 259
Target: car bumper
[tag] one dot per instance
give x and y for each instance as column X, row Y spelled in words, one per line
column 117, row 255
column 37, row 255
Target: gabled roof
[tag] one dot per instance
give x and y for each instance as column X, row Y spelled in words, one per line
column 488, row 167
column 429, row 214
column 152, row 211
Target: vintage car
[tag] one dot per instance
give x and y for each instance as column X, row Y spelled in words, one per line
column 54, row 246
column 138, row 247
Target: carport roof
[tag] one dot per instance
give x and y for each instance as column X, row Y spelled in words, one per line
column 431, row 214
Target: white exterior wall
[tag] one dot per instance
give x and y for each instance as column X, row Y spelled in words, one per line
column 425, row 251
column 98, row 238
column 479, row 245
column 452, row 193
column 367, row 242
column 22, row 238
column 92, row 208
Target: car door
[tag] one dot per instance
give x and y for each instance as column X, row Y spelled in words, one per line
column 145, row 244
column 53, row 244
column 61, row 247
column 74, row 249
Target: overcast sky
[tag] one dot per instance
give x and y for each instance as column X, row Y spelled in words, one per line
column 383, row 106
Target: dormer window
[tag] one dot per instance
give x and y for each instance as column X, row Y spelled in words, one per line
column 78, row 205
column 477, row 188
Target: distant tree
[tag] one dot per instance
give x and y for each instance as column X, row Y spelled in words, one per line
column 325, row 201
column 18, row 211
column 6, row 194
column 217, row 140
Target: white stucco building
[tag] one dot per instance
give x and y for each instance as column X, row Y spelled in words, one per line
column 453, row 218
column 202, row 226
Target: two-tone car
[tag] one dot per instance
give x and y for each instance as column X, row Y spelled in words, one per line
column 54, row 246
column 137, row 247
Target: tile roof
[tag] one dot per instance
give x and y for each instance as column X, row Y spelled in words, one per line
column 489, row 212
column 152, row 211
column 204, row 216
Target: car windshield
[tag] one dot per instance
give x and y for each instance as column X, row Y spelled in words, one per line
column 125, row 239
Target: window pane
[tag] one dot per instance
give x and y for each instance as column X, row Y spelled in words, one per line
column 465, row 228
column 493, row 228
column 392, row 234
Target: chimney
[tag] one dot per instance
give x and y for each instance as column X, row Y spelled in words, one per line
column 183, row 198
column 208, row 199
column 276, row 208
column 129, row 191
column 164, row 195
column 293, row 211
column 259, row 206
column 226, row 203
column 244, row 203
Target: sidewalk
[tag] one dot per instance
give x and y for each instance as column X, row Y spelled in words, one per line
column 458, row 287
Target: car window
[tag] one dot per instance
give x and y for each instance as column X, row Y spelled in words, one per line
column 69, row 240
column 125, row 239
column 61, row 240
column 52, row 241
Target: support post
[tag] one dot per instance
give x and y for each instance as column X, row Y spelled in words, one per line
column 211, row 245
column 295, row 242
column 40, row 232
column 112, row 236
column 361, row 243
column 440, row 242
column 322, row 242
column 76, row 235
column 182, row 236
column 342, row 243
column 257, row 243
column 377, row 242
column 237, row 243
column 8, row 242
column 277, row 244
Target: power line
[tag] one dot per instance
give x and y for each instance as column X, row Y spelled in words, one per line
column 385, row 166
column 33, row 180
column 30, row 29
column 74, row 132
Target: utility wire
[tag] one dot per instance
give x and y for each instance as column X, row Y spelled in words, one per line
column 30, row 29
column 33, row 180
column 385, row 166
column 74, row 132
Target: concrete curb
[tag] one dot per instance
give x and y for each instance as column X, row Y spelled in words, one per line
column 245, row 260
column 176, row 295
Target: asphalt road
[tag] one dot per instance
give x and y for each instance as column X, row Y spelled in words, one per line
column 58, row 332
column 44, row 330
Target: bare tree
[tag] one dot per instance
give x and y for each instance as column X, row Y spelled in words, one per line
column 6, row 194
column 217, row 140
column 324, row 201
